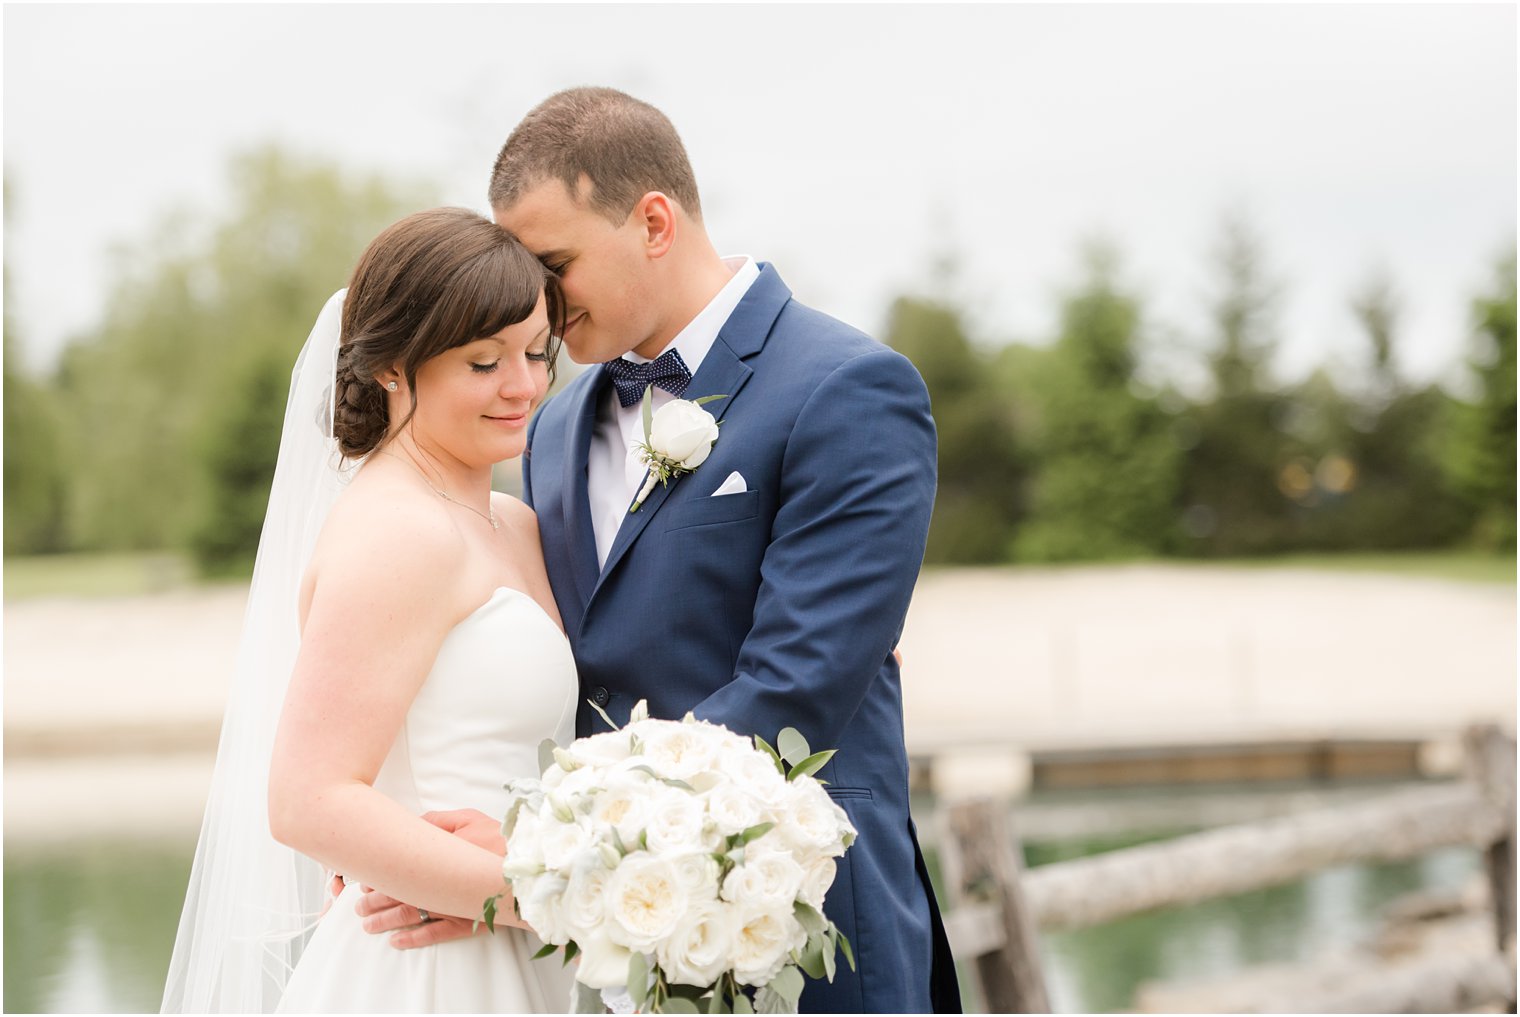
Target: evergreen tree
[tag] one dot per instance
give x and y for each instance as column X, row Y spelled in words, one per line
column 1482, row 457
column 1107, row 465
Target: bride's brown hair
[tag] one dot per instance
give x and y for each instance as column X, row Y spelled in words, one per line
column 431, row 282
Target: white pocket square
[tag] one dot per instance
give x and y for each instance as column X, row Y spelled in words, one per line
column 733, row 485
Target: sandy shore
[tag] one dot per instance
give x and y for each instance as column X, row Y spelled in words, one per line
column 112, row 706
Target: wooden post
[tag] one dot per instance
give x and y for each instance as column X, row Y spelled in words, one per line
column 983, row 863
column 1491, row 763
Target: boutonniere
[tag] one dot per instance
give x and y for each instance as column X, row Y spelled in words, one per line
column 677, row 439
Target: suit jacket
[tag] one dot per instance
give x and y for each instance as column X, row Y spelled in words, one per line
column 779, row 606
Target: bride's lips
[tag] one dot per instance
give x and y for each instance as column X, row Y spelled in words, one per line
column 510, row 420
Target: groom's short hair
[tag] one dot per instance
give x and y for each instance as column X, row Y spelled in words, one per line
column 625, row 147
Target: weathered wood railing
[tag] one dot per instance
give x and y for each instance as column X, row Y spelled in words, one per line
column 996, row 908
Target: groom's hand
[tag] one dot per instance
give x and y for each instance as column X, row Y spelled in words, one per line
column 383, row 914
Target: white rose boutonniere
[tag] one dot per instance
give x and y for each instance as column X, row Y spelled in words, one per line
column 677, row 439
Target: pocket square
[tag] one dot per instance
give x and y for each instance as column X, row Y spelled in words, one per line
column 733, row 485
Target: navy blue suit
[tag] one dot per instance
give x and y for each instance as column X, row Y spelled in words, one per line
column 779, row 606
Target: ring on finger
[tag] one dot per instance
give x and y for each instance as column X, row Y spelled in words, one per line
column 423, row 917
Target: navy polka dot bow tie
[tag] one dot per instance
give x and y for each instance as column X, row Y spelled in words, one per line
column 667, row 371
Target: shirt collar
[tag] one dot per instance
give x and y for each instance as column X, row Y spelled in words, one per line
column 693, row 341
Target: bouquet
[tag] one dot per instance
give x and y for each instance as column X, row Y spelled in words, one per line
column 681, row 862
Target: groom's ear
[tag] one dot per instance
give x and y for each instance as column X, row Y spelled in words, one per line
column 655, row 214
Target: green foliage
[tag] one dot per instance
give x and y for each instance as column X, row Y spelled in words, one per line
column 34, row 463
column 1482, row 463
column 980, row 493
column 1106, row 461
column 238, row 455
column 177, row 385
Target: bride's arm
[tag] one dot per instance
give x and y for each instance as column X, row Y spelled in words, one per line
column 379, row 610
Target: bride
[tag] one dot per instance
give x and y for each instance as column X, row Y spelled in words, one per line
column 401, row 654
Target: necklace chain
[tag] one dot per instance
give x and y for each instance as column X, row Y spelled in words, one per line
column 489, row 515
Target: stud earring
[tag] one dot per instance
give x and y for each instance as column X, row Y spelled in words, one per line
column 390, row 386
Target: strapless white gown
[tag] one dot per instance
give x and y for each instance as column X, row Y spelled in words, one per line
column 504, row 681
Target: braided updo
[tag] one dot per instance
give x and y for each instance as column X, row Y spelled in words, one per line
column 431, row 282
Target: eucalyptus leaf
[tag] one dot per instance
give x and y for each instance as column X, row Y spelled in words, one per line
column 546, row 755
column 718, row 1002
column 792, row 746
column 587, row 1000
column 811, row 765
column 809, row 917
column 708, row 399
column 754, row 832
column 844, row 944
column 639, row 712
column 603, row 713
column 679, row 1004
column 811, row 958
column 742, row 1003
column 828, row 961
column 648, row 412
column 788, row 985
column 765, row 746
column 638, row 978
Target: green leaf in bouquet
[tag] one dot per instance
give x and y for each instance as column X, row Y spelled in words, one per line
column 546, row 755
column 809, row 917
column 811, row 957
column 765, row 746
column 742, row 1003
column 617, row 842
column 755, row 832
column 718, row 1001
column 639, row 712
column 828, row 958
column 487, row 914
column 587, row 1000
column 638, row 979
column 811, row 765
column 844, row 944
column 572, row 948
column 680, row 1004
column 792, row 746
column 643, row 840
column 544, row 951
column 786, row 986
column 602, row 713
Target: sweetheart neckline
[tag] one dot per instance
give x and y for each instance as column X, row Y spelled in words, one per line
column 510, row 589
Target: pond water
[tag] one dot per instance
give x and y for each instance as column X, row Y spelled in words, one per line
column 89, row 928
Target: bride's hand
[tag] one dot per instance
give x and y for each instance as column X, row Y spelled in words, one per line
column 382, row 913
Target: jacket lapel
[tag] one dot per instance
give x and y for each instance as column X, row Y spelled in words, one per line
column 723, row 372
column 577, row 501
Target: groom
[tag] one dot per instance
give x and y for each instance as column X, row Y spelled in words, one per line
column 768, row 588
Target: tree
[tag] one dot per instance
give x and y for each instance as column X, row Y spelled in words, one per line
column 1106, row 462
column 195, row 318
column 979, row 498
column 1233, row 501
column 34, row 465
column 1482, row 455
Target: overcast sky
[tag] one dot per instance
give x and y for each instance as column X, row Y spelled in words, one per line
column 851, row 145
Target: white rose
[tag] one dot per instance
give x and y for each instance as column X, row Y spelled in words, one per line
column 816, row 881
column 754, row 771
column 813, row 822
column 561, row 843
column 676, row 822
column 524, row 848
column 543, row 908
column 678, row 751
column 684, row 432
column 732, row 808
column 766, row 881
column 603, row 963
column 586, row 897
column 645, row 899
column 762, row 942
column 623, row 805
column 698, row 873
column 697, row 950
column 601, row 749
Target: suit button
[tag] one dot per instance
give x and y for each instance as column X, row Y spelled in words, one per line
column 599, row 696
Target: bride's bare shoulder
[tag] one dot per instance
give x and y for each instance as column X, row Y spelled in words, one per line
column 385, row 528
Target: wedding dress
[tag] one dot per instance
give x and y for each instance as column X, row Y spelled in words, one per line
column 504, row 680
column 250, row 936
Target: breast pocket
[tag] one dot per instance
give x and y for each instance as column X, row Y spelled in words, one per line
column 710, row 511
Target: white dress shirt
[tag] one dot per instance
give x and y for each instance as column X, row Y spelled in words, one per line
column 614, row 474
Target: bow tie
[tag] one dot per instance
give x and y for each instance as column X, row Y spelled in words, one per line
column 668, row 371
